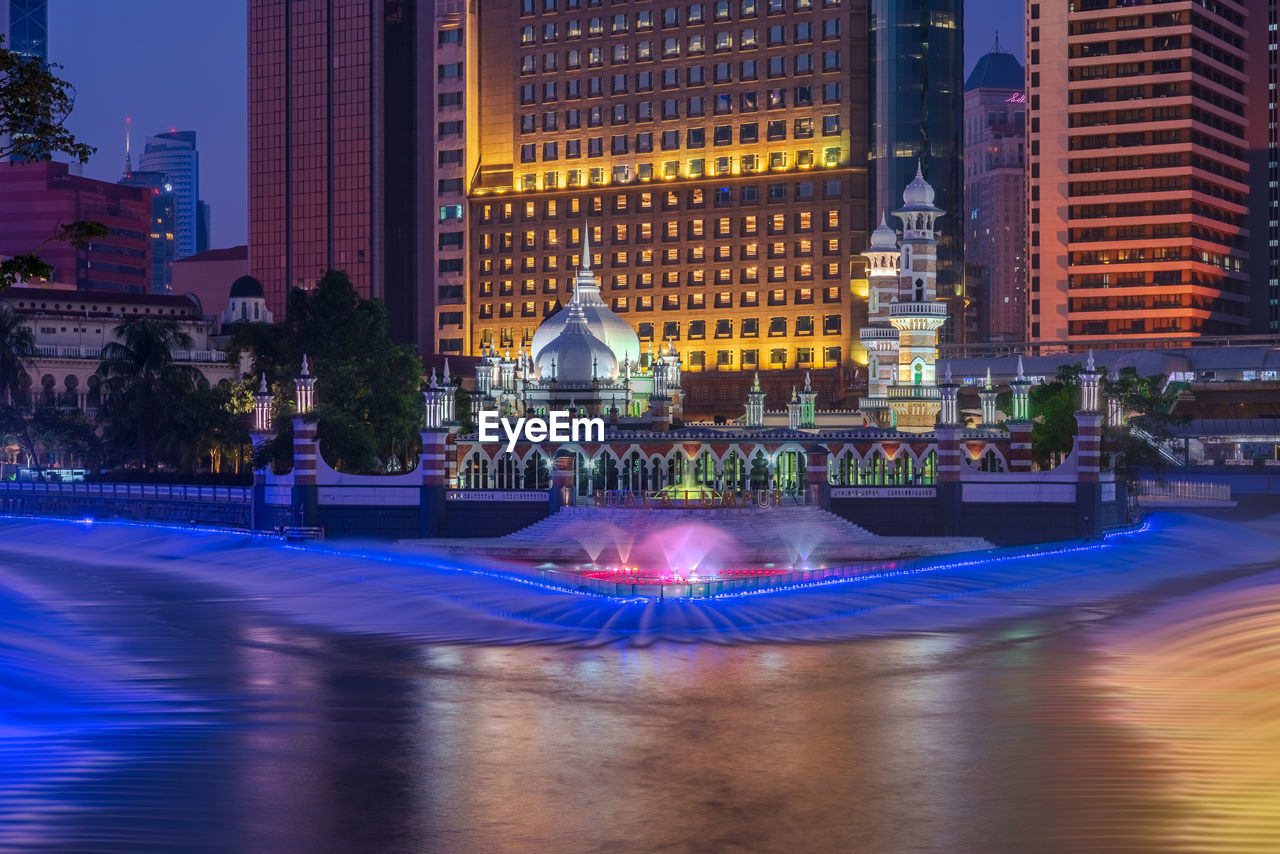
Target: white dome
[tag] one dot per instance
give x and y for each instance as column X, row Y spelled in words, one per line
column 576, row 355
column 615, row 332
column 884, row 237
column 918, row 193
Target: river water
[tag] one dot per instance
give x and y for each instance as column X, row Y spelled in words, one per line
column 168, row 691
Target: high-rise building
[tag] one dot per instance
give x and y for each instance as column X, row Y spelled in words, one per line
column 715, row 153
column 1137, row 170
column 24, row 26
column 995, row 192
column 917, row 78
column 37, row 198
column 162, row 229
column 1264, row 165
column 337, row 176
column 174, row 155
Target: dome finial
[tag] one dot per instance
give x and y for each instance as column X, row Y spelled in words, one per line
column 586, row 247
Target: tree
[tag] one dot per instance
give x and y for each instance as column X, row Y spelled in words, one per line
column 1146, row 405
column 1053, row 409
column 34, row 106
column 17, row 353
column 369, row 406
column 142, row 382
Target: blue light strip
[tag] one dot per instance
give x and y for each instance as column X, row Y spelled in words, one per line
column 921, row 569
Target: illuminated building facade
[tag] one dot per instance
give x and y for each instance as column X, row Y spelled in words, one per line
column 335, row 173
column 714, row 152
column 162, row 231
column 1137, row 170
column 995, row 191
column 902, row 333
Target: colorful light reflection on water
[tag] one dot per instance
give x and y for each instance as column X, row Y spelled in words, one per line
column 196, row 691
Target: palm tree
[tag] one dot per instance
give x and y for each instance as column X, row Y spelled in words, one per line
column 142, row 381
column 17, row 352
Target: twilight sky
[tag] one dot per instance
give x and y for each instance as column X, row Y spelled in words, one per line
column 180, row 64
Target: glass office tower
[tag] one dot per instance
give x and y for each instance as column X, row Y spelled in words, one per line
column 917, row 70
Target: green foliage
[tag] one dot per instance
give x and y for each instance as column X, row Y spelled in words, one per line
column 463, row 412
column 1053, row 409
column 368, row 401
column 1147, row 407
column 144, row 385
column 34, row 105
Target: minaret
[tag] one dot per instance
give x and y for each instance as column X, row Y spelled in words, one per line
column 879, row 337
column 755, row 403
column 988, row 397
column 916, row 313
column 305, row 385
column 1019, row 423
column 128, row 158
column 793, row 410
column 262, row 408
column 808, row 408
column 434, row 401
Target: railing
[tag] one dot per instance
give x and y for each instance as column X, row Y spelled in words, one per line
column 906, row 309
column 169, row 492
column 1184, row 490
column 897, row 392
column 1161, row 448
column 54, row 351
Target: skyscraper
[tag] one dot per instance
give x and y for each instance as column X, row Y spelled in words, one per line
column 714, row 152
column 25, row 27
column 1138, row 178
column 917, row 77
column 336, row 177
column 162, row 227
column 174, row 155
column 995, row 191
column 24, row 24
column 1264, row 166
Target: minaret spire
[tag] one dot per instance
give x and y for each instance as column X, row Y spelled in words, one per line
column 128, row 159
column 586, row 247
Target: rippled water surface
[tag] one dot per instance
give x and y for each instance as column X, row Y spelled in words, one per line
column 190, row 691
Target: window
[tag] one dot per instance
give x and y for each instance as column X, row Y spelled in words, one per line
column 804, row 324
column 778, row 357
column 830, row 125
column 777, row 327
column 750, row 327
column 697, row 329
column 671, row 330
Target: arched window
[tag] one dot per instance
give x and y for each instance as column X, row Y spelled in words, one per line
column 919, row 290
column 917, row 373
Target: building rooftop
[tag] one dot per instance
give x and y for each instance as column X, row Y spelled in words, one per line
column 997, row 69
column 231, row 253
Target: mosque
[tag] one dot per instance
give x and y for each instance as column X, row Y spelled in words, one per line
column 587, row 359
column 903, row 463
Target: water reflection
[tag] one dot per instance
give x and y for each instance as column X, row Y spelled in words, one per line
column 153, row 706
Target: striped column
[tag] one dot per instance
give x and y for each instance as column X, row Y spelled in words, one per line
column 304, row 452
column 948, row 453
column 817, row 476
column 563, row 488
column 1088, row 445
column 434, row 460
column 1019, row 446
